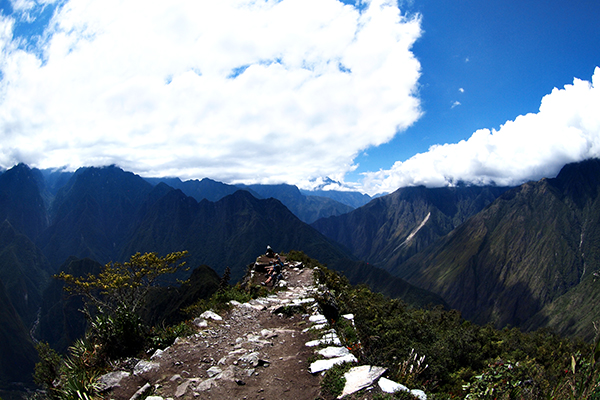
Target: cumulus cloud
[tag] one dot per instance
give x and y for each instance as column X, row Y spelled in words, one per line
column 236, row 90
column 566, row 129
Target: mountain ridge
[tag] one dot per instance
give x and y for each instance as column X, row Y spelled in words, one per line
column 530, row 247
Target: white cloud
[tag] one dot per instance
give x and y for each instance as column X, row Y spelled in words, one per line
column 566, row 129
column 455, row 104
column 151, row 87
column 462, row 90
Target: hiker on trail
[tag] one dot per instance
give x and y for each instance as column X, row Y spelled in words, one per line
column 270, row 253
column 274, row 271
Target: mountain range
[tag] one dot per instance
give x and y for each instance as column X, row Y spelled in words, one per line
column 76, row 222
column 524, row 256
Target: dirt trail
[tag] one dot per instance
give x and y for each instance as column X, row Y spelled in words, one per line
column 252, row 353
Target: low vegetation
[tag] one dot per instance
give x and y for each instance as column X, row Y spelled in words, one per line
column 436, row 350
column 115, row 300
column 432, row 349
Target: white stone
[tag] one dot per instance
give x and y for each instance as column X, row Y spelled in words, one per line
column 318, row 319
column 267, row 334
column 235, row 303
column 154, row 398
column 324, row 365
column 360, row 377
column 112, row 380
column 331, row 351
column 157, row 354
column 182, row 388
column 390, row 386
column 206, row 385
column 212, row 315
column 419, row 394
column 200, row 322
column 304, row 300
column 213, row 371
column 144, row 366
column 251, row 359
column 329, row 339
column 348, row 316
column 256, row 307
column 141, row 392
column 222, row 361
column 228, row 374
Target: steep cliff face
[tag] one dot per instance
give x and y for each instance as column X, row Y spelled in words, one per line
column 24, row 270
column 529, row 248
column 392, row 228
column 21, row 202
column 93, row 215
column 16, row 348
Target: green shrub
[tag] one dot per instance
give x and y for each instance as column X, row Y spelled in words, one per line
column 47, row 370
column 504, row 380
column 334, row 381
column 123, row 286
column 399, row 395
column 71, row 378
column 120, row 334
column 459, row 354
column 581, row 379
column 162, row 337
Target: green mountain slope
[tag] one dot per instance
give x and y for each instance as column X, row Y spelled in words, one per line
column 379, row 280
column 534, row 244
column 24, row 270
column 61, row 321
column 230, row 232
column 17, row 354
column 390, row 229
column 92, row 216
column 352, row 199
column 21, row 202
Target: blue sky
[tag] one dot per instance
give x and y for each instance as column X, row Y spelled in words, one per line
column 504, row 55
column 375, row 96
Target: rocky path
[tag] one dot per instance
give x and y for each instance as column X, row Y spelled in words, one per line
column 251, row 353
column 257, row 350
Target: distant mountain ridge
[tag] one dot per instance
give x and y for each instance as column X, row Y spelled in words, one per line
column 306, row 205
column 307, row 208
